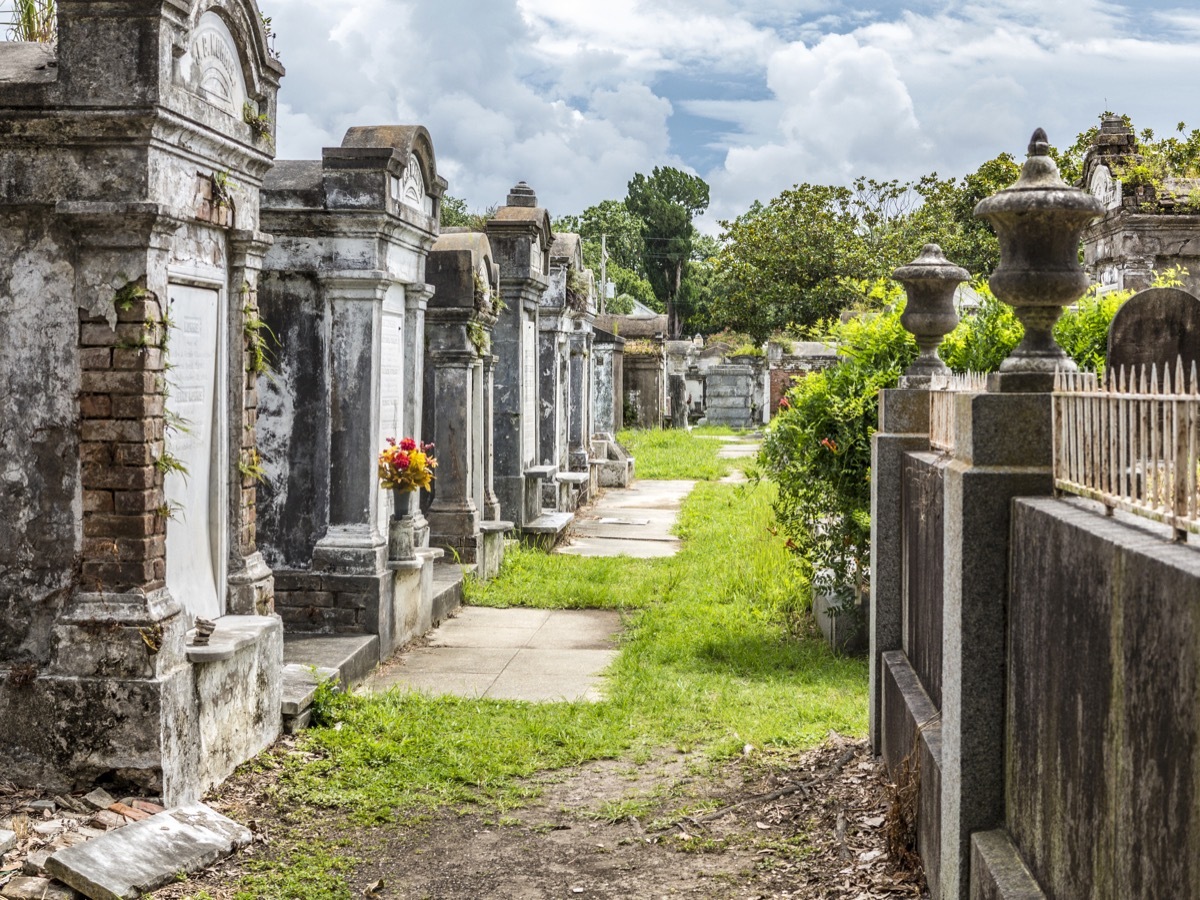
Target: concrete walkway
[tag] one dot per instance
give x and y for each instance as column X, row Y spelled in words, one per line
column 510, row 654
column 634, row 521
column 536, row 654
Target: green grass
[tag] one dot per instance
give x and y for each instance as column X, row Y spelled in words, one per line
column 678, row 455
column 706, row 662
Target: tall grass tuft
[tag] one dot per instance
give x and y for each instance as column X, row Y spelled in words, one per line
column 34, row 20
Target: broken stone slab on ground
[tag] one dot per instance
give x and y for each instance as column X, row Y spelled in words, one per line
column 8, row 840
column 145, row 855
column 32, row 888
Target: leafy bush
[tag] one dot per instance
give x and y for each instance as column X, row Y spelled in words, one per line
column 982, row 341
column 818, row 451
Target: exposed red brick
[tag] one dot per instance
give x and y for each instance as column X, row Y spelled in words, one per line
column 114, row 526
column 150, row 359
column 97, row 501
column 101, row 454
column 120, row 382
column 135, row 502
column 95, row 358
column 137, row 406
column 125, row 478
column 95, row 406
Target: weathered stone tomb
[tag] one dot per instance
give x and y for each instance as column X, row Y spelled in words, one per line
column 132, row 153
column 344, row 294
column 521, row 238
column 459, row 375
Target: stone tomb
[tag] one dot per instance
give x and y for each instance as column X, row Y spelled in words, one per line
column 520, row 238
column 1155, row 328
column 567, row 311
column 344, row 293
column 463, row 511
column 130, row 266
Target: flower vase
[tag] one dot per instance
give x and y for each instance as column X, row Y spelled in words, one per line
column 400, row 529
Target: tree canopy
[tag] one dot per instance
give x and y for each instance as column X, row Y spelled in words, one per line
column 665, row 203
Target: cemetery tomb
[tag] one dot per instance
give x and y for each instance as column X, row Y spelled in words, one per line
column 344, row 291
column 132, row 266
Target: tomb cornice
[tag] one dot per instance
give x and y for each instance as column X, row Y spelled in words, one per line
column 357, row 284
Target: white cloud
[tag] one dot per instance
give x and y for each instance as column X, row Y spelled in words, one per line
column 574, row 97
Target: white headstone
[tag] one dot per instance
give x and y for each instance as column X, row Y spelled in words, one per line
column 199, row 520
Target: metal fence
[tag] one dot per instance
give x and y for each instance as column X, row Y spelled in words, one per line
column 942, row 390
column 1131, row 442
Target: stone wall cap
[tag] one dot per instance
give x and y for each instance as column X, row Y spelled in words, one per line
column 475, row 241
column 567, row 246
column 27, row 62
column 231, row 635
column 293, row 175
column 496, row 527
column 606, row 337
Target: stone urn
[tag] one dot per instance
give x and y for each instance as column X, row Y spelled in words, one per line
column 401, row 542
column 1039, row 221
column 929, row 281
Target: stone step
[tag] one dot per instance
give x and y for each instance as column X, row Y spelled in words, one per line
column 307, row 659
column 547, row 529
column 447, row 588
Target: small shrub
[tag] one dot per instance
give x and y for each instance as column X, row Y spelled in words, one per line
column 818, row 451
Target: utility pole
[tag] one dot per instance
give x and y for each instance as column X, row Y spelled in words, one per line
column 603, row 273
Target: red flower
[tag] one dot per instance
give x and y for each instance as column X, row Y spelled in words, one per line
column 785, row 404
column 829, row 445
column 402, row 460
column 408, row 444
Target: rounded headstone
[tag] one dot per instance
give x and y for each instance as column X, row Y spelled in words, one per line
column 1155, row 327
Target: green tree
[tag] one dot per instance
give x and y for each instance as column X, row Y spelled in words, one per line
column 665, row 203
column 610, row 226
column 456, row 215
column 947, row 213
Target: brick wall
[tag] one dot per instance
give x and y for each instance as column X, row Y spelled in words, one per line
column 121, row 410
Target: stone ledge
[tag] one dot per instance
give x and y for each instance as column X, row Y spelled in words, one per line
column 575, row 478
column 997, row 870
column 541, row 472
column 496, row 527
column 231, row 635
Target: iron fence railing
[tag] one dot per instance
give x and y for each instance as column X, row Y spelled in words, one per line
column 1131, row 441
column 942, row 390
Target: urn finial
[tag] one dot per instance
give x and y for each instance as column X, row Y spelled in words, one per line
column 1039, row 222
column 929, row 281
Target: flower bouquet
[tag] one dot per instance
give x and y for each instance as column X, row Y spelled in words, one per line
column 405, row 466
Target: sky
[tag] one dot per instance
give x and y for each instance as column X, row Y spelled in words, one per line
column 755, row 96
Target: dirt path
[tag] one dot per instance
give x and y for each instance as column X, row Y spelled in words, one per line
column 675, row 826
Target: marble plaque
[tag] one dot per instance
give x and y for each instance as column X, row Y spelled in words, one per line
column 529, row 412
column 195, row 533
column 391, row 386
column 214, row 65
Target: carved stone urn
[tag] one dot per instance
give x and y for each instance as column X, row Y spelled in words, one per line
column 1039, row 221
column 929, row 282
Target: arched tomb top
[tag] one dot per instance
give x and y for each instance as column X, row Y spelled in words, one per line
column 415, row 183
column 567, row 248
column 225, row 59
column 1104, row 187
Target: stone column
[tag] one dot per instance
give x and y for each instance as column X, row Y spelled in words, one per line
column 453, row 516
column 416, row 301
column 491, row 502
column 579, row 433
column 251, row 585
column 903, row 428
column 1003, row 450
column 353, row 542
